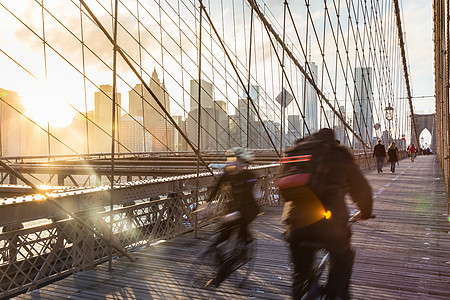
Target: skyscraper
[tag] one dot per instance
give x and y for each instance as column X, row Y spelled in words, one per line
column 246, row 114
column 132, row 134
column 294, row 129
column 339, row 127
column 311, row 101
column 362, row 117
column 206, row 94
column 13, row 138
column 179, row 142
column 255, row 96
column 142, row 104
column 214, row 120
column 103, row 118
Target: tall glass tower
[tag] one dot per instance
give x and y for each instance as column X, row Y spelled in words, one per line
column 311, row 101
column 363, row 98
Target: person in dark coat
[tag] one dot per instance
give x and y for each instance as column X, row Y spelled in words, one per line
column 242, row 181
column 242, row 208
column 341, row 175
column 393, row 156
column 379, row 152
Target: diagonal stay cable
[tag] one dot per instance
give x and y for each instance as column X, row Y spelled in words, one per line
column 43, row 129
column 310, row 80
column 171, row 55
column 6, row 54
column 239, row 77
column 66, row 60
column 125, row 58
column 405, row 67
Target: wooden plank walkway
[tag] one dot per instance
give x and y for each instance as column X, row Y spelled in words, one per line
column 402, row 254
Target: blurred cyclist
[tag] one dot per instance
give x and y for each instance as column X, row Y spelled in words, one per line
column 242, row 202
column 339, row 174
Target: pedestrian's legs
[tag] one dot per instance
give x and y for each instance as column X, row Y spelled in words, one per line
column 380, row 163
column 393, row 166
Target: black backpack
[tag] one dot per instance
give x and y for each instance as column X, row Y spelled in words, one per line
column 305, row 164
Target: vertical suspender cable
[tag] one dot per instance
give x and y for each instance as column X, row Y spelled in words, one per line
column 84, row 78
column 199, row 112
column 165, row 99
column 228, row 144
column 304, row 76
column 249, row 75
column 45, row 74
column 283, row 93
column 215, row 106
column 144, row 140
column 113, row 133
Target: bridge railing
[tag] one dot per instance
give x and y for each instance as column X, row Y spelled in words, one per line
column 39, row 244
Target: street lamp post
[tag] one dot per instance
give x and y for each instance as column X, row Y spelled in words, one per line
column 389, row 112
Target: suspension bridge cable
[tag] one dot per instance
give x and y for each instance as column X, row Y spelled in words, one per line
column 310, row 80
column 84, row 78
column 169, row 74
column 125, row 58
column 65, row 59
column 405, row 67
column 242, row 83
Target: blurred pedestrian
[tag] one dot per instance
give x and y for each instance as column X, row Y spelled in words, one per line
column 393, row 156
column 412, row 152
column 379, row 152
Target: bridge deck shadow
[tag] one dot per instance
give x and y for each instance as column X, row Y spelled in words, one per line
column 402, row 254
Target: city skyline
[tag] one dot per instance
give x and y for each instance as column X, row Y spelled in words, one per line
column 149, row 137
column 74, row 95
column 57, row 71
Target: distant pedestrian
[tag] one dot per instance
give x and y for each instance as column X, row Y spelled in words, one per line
column 379, row 152
column 393, row 156
column 412, row 152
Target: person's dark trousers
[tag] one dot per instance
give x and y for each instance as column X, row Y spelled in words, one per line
column 380, row 160
column 393, row 166
column 335, row 238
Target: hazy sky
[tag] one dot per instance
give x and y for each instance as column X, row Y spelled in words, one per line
column 44, row 100
column 418, row 18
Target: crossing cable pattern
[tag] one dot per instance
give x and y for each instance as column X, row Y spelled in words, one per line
column 341, row 36
column 377, row 19
column 247, row 68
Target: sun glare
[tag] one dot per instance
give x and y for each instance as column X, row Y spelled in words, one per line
column 46, row 103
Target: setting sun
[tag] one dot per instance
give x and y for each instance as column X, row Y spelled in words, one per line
column 45, row 103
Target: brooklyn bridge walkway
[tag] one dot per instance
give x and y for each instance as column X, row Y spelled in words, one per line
column 402, row 254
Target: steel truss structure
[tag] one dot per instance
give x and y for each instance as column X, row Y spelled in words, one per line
column 239, row 73
column 442, row 82
column 39, row 242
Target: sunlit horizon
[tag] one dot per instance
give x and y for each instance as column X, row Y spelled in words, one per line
column 45, row 104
